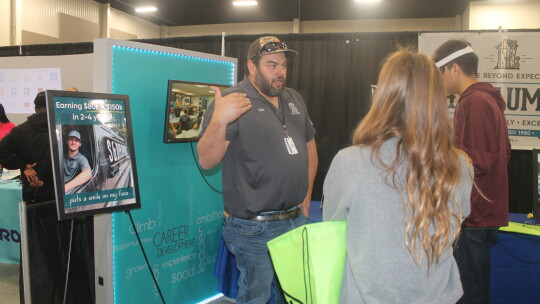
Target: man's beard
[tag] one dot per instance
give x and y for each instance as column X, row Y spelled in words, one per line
column 266, row 86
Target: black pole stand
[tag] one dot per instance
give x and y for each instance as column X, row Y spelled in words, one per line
column 145, row 257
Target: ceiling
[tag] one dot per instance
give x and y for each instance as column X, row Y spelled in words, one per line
column 196, row 12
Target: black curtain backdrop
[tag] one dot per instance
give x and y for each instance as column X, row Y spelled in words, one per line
column 47, row 49
column 521, row 181
column 48, row 241
column 333, row 72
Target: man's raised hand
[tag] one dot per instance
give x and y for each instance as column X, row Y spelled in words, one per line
column 229, row 108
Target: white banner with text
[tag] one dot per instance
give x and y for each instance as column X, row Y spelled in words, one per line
column 511, row 63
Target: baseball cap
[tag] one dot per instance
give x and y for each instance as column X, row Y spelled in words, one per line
column 40, row 100
column 268, row 45
column 75, row 134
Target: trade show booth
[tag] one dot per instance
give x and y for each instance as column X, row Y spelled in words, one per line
column 167, row 250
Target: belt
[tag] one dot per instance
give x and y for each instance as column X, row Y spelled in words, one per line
column 275, row 215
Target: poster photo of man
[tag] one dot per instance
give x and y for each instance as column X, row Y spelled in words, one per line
column 93, row 154
column 77, row 170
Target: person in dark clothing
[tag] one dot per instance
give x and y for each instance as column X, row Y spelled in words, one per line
column 480, row 130
column 27, row 148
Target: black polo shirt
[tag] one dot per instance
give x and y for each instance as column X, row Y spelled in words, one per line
column 259, row 173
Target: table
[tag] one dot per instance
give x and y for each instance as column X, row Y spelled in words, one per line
column 10, row 196
column 515, row 265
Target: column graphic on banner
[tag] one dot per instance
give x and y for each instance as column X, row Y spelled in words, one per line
column 507, row 58
column 508, row 61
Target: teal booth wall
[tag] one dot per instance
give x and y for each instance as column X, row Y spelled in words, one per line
column 180, row 219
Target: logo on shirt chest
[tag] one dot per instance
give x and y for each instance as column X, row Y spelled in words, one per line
column 294, row 110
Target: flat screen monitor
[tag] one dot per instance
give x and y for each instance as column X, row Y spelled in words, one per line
column 184, row 112
column 92, row 153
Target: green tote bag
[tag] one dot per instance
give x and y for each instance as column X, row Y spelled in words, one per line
column 309, row 262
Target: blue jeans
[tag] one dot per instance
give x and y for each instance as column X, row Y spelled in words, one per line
column 472, row 254
column 247, row 241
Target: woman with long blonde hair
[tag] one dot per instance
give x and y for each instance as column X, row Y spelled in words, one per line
column 403, row 189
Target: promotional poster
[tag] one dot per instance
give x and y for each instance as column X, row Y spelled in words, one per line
column 510, row 62
column 92, row 153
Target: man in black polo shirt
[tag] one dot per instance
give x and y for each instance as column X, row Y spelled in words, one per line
column 262, row 133
column 76, row 167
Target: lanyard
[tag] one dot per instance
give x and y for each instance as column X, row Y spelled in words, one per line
column 274, row 110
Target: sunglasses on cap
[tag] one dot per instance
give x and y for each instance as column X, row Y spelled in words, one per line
column 272, row 47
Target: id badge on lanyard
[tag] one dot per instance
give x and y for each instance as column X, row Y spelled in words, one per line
column 289, row 142
column 291, row 148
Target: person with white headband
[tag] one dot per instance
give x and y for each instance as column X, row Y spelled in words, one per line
column 479, row 130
